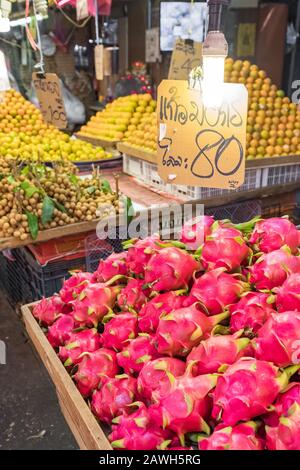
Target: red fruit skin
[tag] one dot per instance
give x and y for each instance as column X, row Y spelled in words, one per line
column 245, row 390
column 136, row 431
column 182, row 329
column 239, row 437
column 153, row 380
column 195, row 231
column 113, row 398
column 251, row 312
column 224, row 248
column 140, row 254
column 288, row 295
column 48, row 310
column 170, row 269
column 285, row 436
column 271, row 234
column 73, row 286
column 162, row 304
column 283, row 403
column 60, row 331
column 114, row 265
column 119, row 330
column 278, row 340
column 217, row 351
column 93, row 368
column 139, row 352
column 84, row 341
column 133, row 296
column 272, row 269
column 216, row 290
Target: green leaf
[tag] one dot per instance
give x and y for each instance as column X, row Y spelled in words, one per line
column 59, row 206
column 11, row 179
column 28, row 188
column 47, row 210
column 73, row 179
column 105, row 186
column 91, row 189
column 129, row 208
column 25, row 170
column 33, row 224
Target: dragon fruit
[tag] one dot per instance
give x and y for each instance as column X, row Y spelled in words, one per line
column 113, row 398
column 186, row 405
column 133, row 296
column 47, row 310
column 114, row 265
column 251, row 312
column 181, row 330
column 170, row 269
column 137, row 353
column 288, row 295
column 93, row 303
column 73, row 286
column 93, row 368
column 60, row 331
column 278, row 340
column 162, row 304
column 271, row 234
column 240, row 437
column 272, row 269
column 286, row 436
column 136, row 431
column 224, row 248
column 216, row 290
column 217, row 351
column 140, row 252
column 247, row 389
column 82, row 341
column 195, row 231
column 154, row 377
column 283, row 403
column 119, row 330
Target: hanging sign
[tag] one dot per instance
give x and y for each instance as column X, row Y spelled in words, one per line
column 48, row 90
column 152, row 45
column 187, row 55
column 200, row 146
column 4, row 80
column 99, row 58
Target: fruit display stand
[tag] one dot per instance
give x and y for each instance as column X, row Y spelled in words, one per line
column 105, row 143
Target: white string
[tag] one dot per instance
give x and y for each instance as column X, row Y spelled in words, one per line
column 41, row 64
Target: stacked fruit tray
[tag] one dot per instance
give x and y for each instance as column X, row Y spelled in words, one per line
column 177, row 344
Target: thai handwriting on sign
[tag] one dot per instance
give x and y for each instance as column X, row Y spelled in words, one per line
column 186, row 56
column 49, row 94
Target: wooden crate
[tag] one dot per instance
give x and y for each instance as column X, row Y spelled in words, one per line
column 97, row 142
column 87, row 432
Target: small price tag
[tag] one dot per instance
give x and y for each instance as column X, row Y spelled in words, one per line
column 48, row 90
column 82, row 9
column 201, row 146
column 152, row 45
column 99, row 58
column 187, row 54
column 107, row 66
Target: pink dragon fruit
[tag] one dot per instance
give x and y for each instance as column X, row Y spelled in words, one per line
column 217, row 351
column 286, row 436
column 251, row 312
column 195, row 231
column 113, row 398
column 154, row 377
column 181, row 330
column 186, row 405
column 114, row 265
column 288, row 295
column 161, row 305
column 140, row 253
column 136, row 431
column 73, row 286
column 133, row 296
column 170, row 269
column 224, row 248
column 60, row 331
column 180, row 448
column 283, row 403
column 216, row 290
column 272, row 269
column 271, row 234
column 247, row 389
column 82, row 341
column 47, row 310
column 119, row 330
column 93, row 303
column 93, row 368
column 138, row 352
column 278, row 340
column 240, row 437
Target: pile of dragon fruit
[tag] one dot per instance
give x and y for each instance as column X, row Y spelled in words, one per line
column 177, row 345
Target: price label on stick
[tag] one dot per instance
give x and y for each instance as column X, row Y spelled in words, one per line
column 200, row 146
column 48, row 90
column 99, row 58
column 187, row 54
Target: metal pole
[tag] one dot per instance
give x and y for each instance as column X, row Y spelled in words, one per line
column 149, row 14
column 97, row 22
column 294, row 52
column 41, row 64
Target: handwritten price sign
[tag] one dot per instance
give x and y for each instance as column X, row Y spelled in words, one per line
column 187, row 54
column 201, row 146
column 49, row 94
